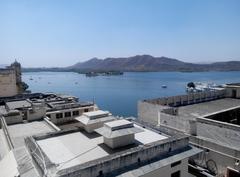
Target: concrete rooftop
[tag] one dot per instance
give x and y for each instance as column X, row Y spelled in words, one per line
column 96, row 114
column 80, row 147
column 86, row 120
column 19, row 131
column 209, row 107
column 18, row 104
column 119, row 124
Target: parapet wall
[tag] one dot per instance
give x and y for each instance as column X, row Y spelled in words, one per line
column 109, row 164
column 182, row 100
column 221, row 132
column 156, row 114
column 125, row 159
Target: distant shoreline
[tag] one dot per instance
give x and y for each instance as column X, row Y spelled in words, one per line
column 84, row 72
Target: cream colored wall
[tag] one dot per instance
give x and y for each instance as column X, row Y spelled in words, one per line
column 37, row 113
column 8, row 85
column 14, row 119
column 119, row 141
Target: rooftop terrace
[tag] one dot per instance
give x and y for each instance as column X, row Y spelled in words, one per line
column 20, row 131
column 77, row 152
column 21, row 160
column 80, row 147
column 209, row 107
column 18, row 104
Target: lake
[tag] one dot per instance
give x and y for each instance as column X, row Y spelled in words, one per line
column 119, row 94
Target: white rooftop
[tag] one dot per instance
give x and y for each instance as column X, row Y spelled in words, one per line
column 19, row 131
column 96, row 114
column 85, row 120
column 18, row 104
column 119, row 124
column 77, row 148
column 148, row 136
column 63, row 148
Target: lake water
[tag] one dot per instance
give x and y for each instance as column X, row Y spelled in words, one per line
column 119, row 94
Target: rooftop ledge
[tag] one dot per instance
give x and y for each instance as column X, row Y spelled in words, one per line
column 141, row 151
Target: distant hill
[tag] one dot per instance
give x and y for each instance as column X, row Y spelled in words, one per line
column 141, row 63
column 150, row 63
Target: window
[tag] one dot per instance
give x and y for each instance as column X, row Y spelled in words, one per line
column 176, row 174
column 176, row 163
column 85, row 110
column 75, row 113
column 59, row 115
column 67, row 114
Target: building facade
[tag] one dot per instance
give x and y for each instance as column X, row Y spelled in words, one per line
column 10, row 80
column 211, row 119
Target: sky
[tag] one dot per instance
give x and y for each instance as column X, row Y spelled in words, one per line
column 49, row 33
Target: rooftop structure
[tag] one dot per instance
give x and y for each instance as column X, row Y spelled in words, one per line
column 93, row 120
column 21, row 104
column 40, row 148
column 35, row 106
column 210, row 118
column 96, row 114
column 57, row 135
column 118, row 133
column 14, row 156
column 80, row 153
column 29, row 114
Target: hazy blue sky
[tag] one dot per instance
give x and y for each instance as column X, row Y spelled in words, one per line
column 63, row 32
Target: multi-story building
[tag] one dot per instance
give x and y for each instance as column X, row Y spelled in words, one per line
column 36, row 106
column 10, row 80
column 101, row 145
column 211, row 119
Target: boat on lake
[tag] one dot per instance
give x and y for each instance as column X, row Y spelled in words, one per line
column 201, row 87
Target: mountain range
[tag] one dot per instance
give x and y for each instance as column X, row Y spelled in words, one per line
column 150, row 63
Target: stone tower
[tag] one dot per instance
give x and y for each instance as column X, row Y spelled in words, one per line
column 22, row 86
column 17, row 68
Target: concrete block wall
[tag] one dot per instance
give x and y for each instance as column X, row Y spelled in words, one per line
column 148, row 112
column 91, row 127
column 176, row 122
column 119, row 141
column 166, row 171
column 36, row 114
column 14, row 119
column 130, row 157
column 222, row 133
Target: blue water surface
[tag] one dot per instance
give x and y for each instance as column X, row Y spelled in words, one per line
column 120, row 94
